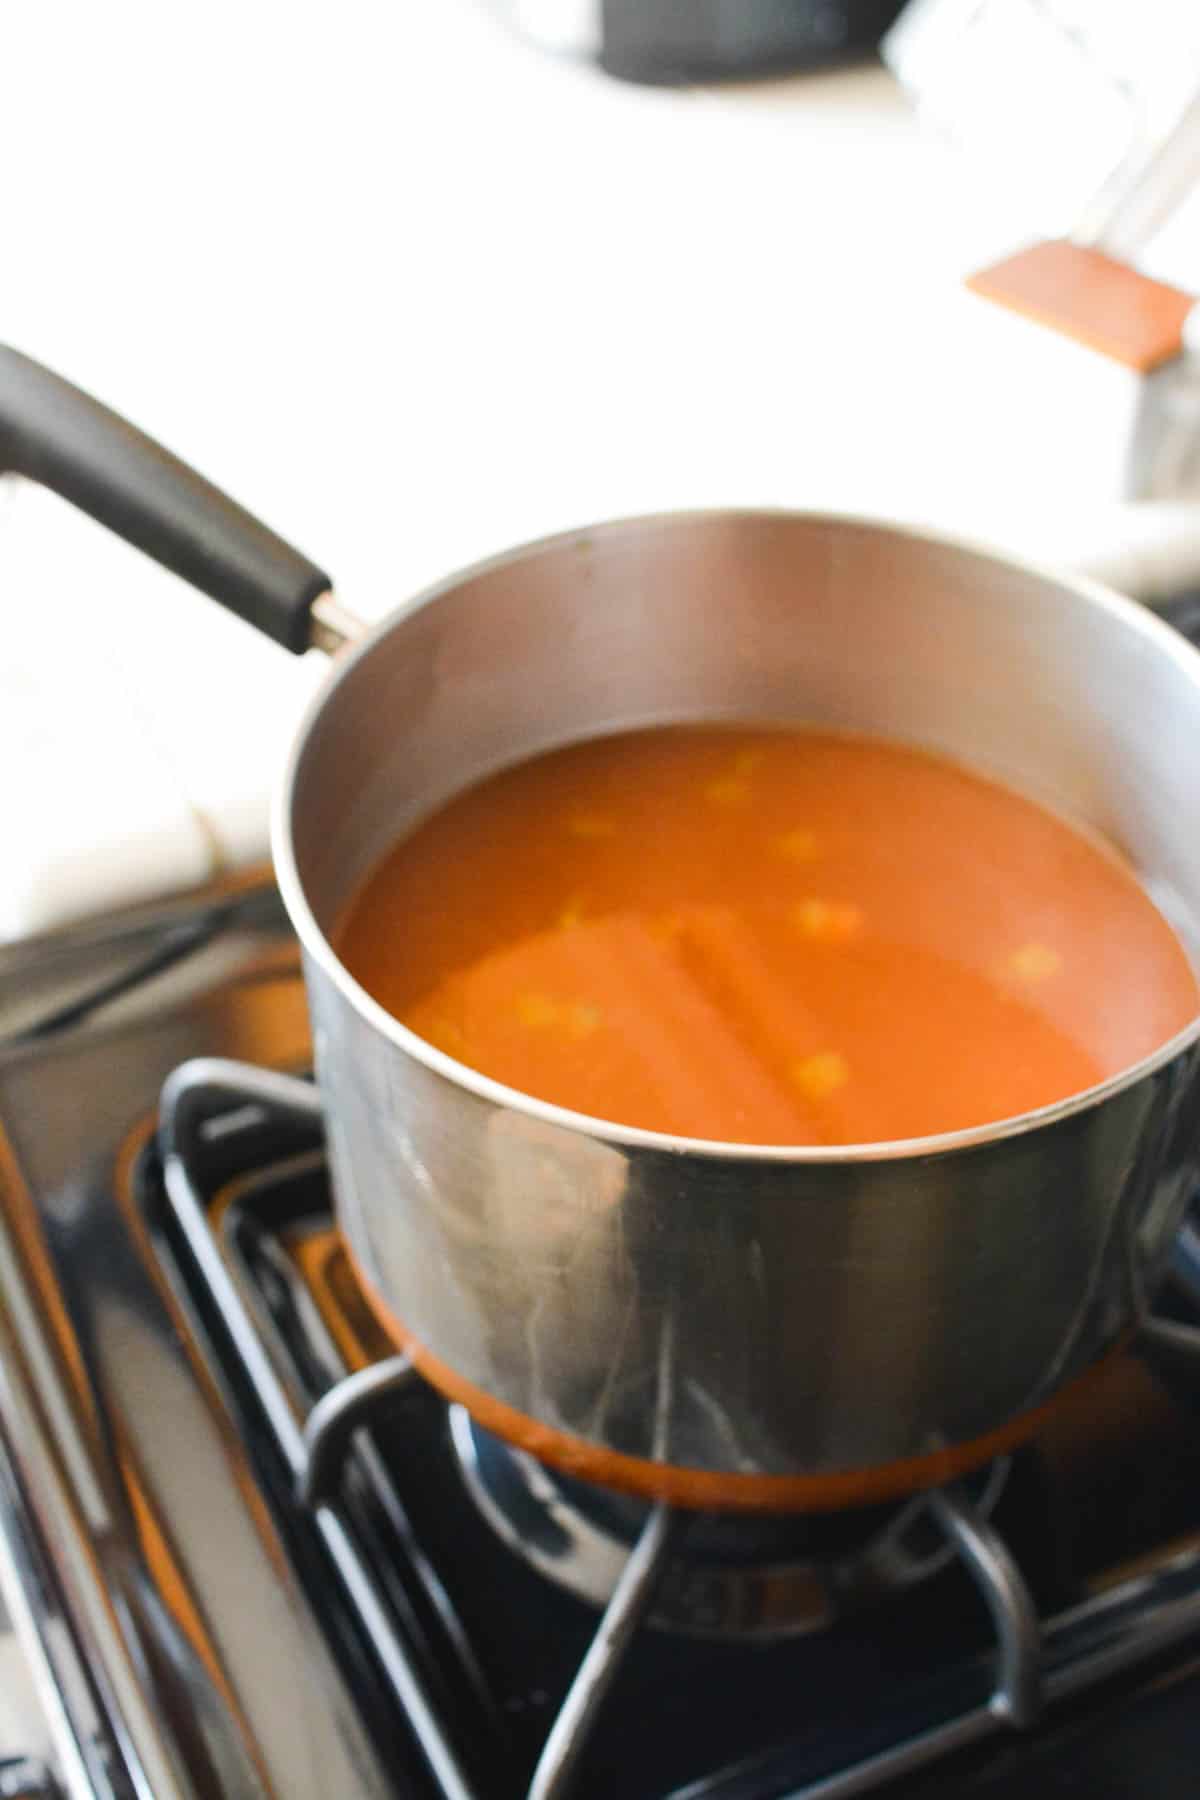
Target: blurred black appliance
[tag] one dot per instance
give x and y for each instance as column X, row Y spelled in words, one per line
column 712, row 40
column 669, row 42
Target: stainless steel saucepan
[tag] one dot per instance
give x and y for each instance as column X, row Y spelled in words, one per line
column 718, row 1324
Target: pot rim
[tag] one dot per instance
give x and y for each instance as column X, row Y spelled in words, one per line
column 314, row 941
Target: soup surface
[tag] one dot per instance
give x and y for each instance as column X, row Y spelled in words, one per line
column 767, row 936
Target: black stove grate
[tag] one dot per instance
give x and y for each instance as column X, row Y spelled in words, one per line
column 489, row 1680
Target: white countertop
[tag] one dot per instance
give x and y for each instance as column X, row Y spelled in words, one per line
column 415, row 292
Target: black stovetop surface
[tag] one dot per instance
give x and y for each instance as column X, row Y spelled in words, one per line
column 1141, row 1742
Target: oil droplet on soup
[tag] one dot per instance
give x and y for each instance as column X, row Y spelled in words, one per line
column 767, row 936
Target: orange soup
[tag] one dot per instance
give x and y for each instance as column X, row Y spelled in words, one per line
column 769, row 937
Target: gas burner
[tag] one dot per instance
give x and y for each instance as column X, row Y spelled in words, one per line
column 730, row 1576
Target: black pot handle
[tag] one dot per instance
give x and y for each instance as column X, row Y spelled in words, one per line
column 55, row 434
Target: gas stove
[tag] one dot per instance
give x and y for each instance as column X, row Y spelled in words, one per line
column 248, row 1552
